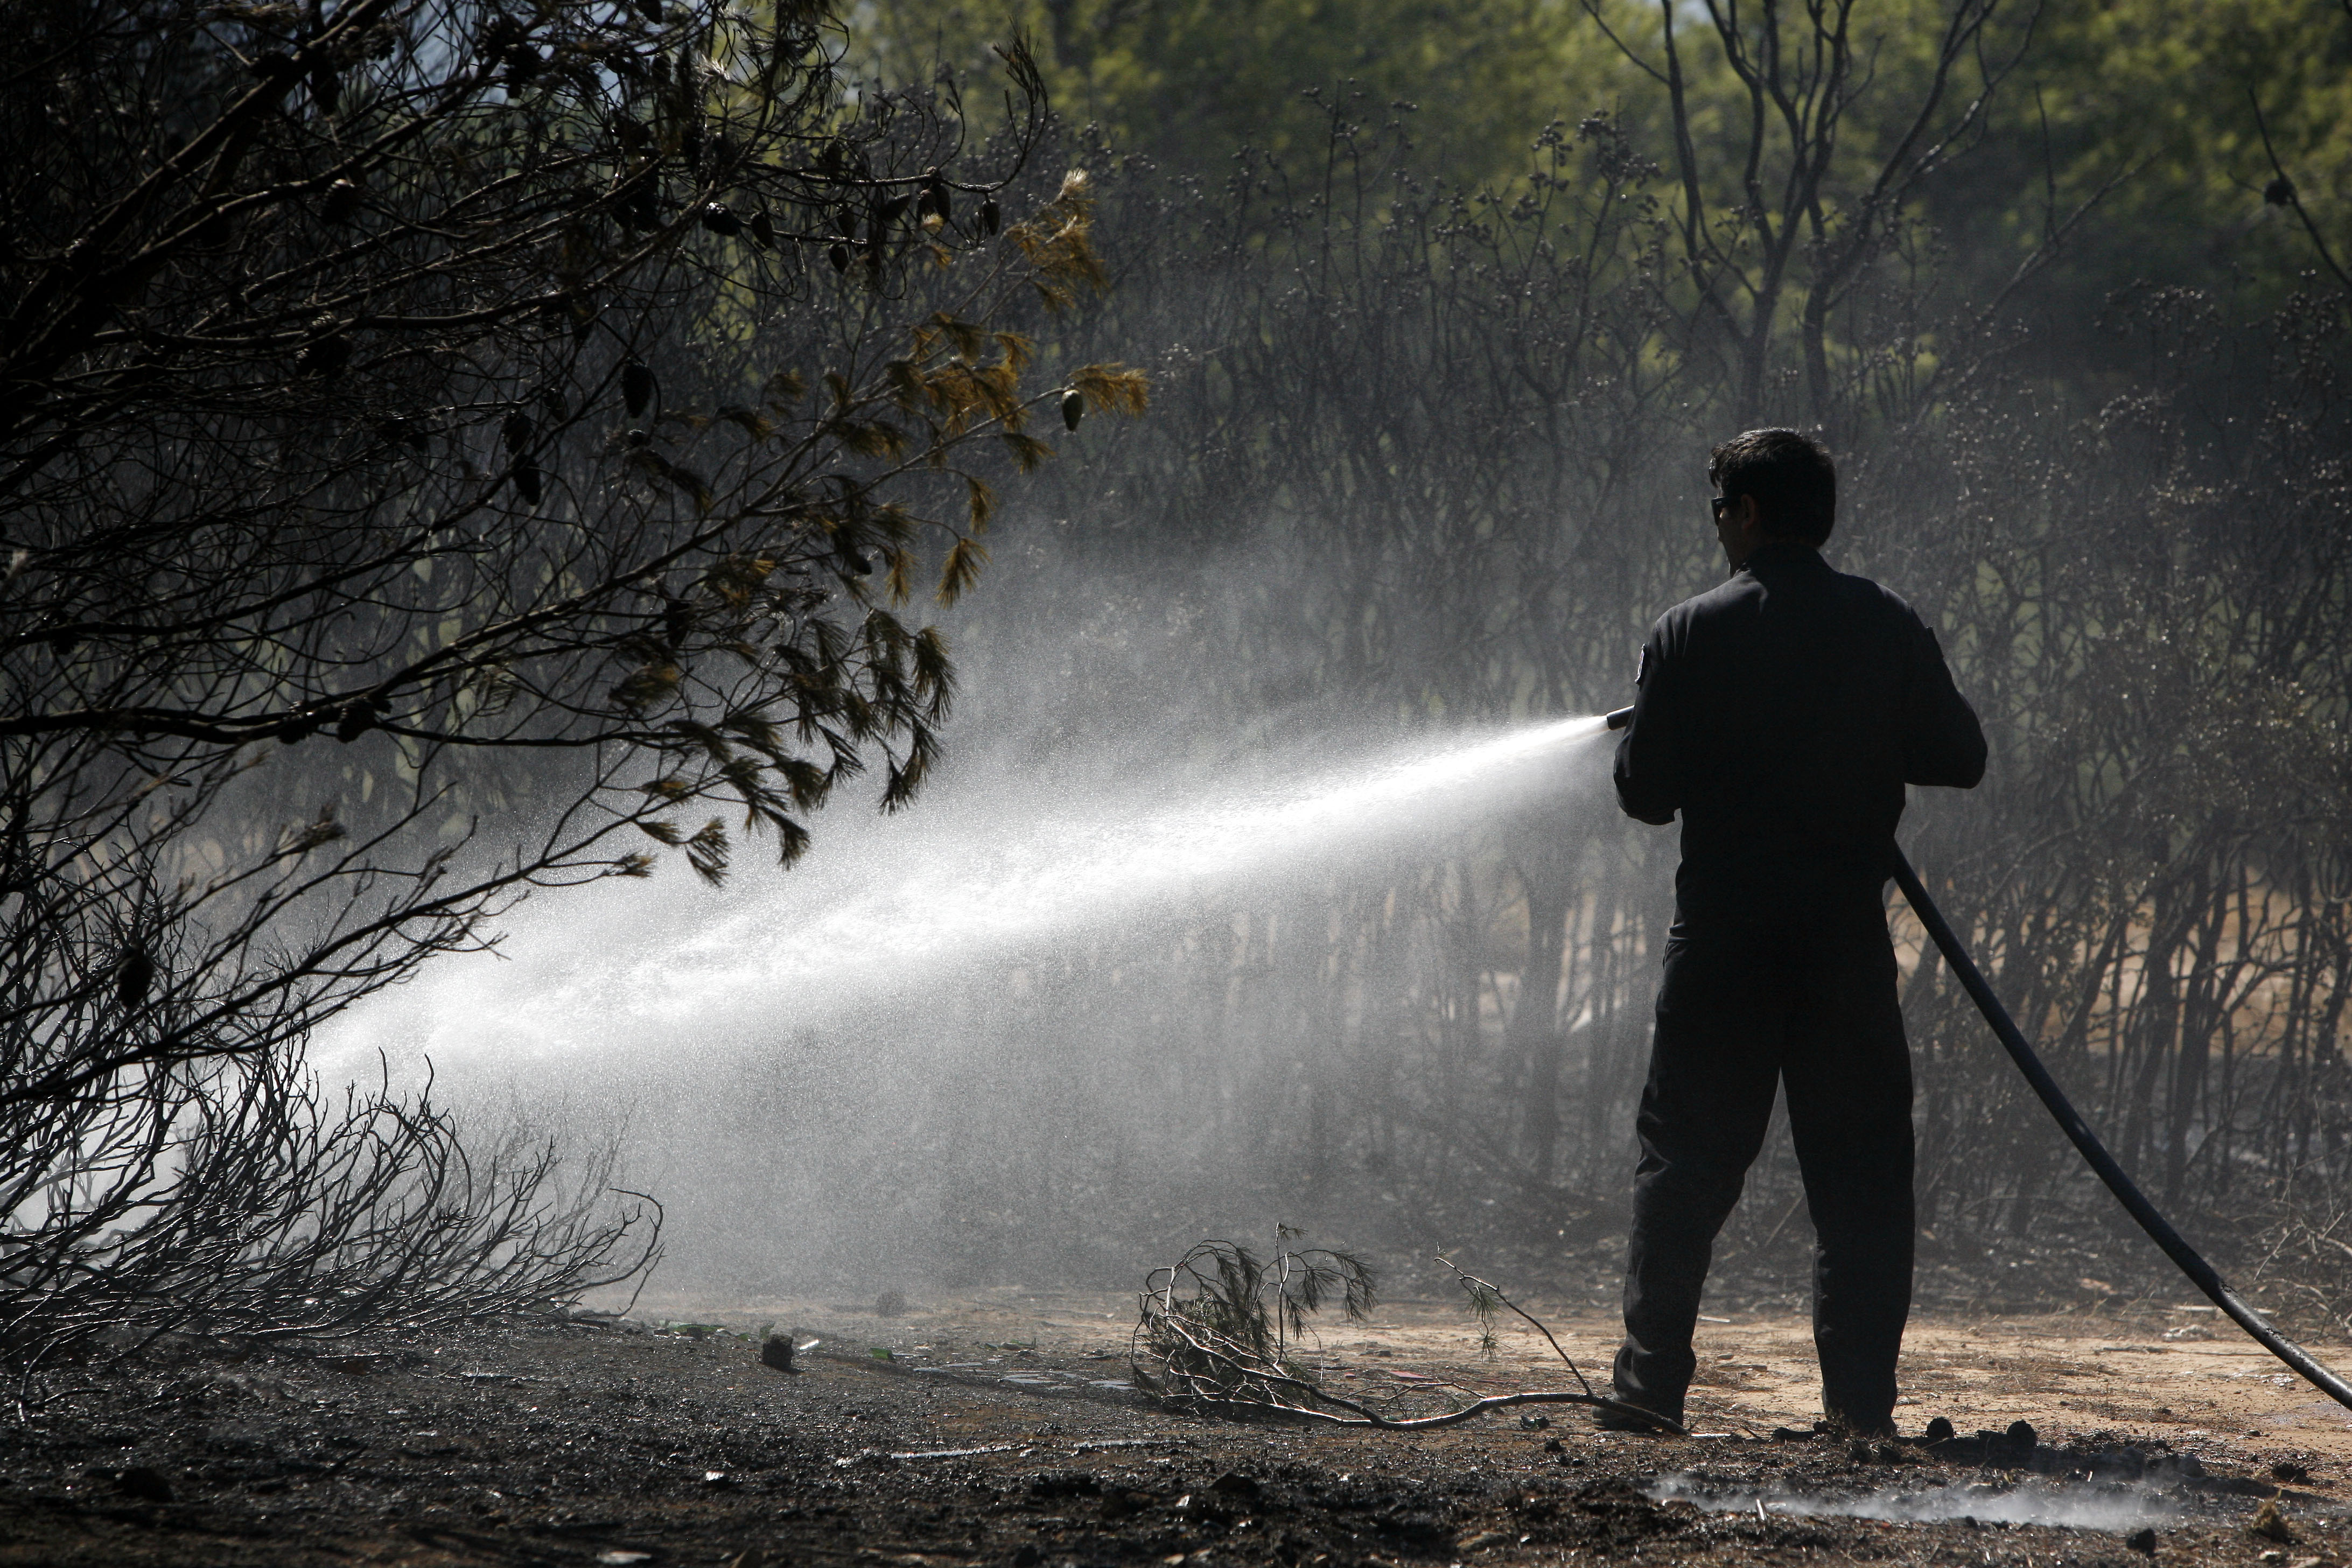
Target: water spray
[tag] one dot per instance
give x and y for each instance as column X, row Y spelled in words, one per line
column 2189, row 1261
column 940, row 901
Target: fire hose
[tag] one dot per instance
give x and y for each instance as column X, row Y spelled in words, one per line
column 2187, row 1258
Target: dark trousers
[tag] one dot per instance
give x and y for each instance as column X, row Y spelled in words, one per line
column 1808, row 1001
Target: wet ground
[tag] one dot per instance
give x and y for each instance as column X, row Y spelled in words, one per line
column 998, row 1432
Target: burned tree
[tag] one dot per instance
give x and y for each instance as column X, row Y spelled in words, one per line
column 547, row 415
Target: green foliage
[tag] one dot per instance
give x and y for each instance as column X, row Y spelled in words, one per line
column 1189, row 81
column 2165, row 93
column 2142, row 110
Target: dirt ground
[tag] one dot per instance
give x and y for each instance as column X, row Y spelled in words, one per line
column 1000, row 1431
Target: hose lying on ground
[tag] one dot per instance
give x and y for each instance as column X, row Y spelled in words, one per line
column 2201, row 1273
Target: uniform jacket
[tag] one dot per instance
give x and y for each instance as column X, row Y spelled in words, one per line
column 1782, row 714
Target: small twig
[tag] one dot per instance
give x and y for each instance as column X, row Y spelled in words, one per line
column 1470, row 1281
column 1782, row 1224
column 2284, row 183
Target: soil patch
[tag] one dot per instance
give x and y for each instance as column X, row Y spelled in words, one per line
column 998, row 1429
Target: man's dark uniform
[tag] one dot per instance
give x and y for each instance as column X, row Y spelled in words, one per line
column 1782, row 714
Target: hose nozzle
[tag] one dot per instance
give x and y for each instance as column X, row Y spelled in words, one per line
column 1618, row 720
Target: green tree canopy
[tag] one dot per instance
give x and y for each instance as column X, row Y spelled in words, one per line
column 2144, row 110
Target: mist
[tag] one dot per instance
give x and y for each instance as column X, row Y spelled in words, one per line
column 1193, row 932
column 956, row 1015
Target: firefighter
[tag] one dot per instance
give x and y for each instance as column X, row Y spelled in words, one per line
column 1780, row 715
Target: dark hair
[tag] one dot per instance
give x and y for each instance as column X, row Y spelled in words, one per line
column 1790, row 476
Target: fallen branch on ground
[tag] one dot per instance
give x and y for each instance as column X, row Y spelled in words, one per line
column 1216, row 1325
